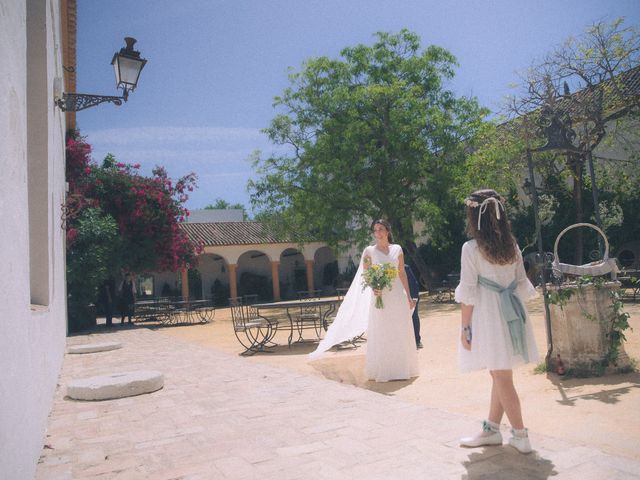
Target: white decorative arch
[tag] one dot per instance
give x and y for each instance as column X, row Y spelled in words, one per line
column 292, row 272
column 256, row 266
column 231, row 257
column 309, row 249
column 323, row 256
column 212, row 267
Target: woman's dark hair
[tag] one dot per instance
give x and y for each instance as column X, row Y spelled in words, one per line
column 386, row 225
column 493, row 234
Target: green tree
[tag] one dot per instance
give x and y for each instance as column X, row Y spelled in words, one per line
column 372, row 134
column 601, row 67
column 221, row 204
column 92, row 255
column 118, row 219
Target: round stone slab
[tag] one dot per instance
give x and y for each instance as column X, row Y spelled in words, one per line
column 94, row 347
column 115, row 385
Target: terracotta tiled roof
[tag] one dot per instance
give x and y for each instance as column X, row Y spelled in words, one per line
column 231, row 233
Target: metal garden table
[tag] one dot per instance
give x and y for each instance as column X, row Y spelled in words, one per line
column 306, row 314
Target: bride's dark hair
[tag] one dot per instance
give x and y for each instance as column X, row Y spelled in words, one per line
column 386, row 225
column 494, row 237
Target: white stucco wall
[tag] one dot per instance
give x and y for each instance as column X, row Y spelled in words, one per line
column 215, row 215
column 32, row 338
column 273, row 251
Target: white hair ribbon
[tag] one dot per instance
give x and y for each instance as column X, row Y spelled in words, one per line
column 485, row 204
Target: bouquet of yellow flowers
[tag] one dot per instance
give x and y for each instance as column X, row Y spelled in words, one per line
column 379, row 276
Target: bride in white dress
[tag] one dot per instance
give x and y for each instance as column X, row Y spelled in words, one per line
column 391, row 348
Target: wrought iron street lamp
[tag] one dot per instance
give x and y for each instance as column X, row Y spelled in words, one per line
column 530, row 189
column 127, row 64
column 555, row 126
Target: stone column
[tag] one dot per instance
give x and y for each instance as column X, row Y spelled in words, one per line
column 233, row 280
column 275, row 280
column 309, row 265
column 184, row 275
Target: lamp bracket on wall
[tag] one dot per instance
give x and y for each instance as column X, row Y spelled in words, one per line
column 74, row 102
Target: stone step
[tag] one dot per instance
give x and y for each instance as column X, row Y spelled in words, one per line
column 115, row 385
column 94, row 347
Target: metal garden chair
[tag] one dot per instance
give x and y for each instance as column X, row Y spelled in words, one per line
column 252, row 331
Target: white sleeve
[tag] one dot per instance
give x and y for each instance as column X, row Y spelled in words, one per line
column 468, row 286
column 525, row 289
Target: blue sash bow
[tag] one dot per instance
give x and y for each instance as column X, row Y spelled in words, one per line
column 512, row 312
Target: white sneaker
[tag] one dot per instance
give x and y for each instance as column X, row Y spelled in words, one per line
column 490, row 435
column 520, row 441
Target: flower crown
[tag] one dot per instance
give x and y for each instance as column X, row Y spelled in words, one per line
column 474, row 203
column 484, row 205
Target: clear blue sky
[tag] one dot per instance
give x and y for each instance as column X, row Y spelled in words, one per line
column 214, row 66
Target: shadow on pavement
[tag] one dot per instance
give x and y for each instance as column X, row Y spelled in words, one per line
column 610, row 396
column 507, row 464
column 352, row 372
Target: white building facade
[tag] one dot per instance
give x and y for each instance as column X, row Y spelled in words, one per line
column 32, row 240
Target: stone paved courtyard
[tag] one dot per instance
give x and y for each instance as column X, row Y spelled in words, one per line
column 221, row 417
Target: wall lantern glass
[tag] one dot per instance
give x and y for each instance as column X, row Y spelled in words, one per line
column 127, row 65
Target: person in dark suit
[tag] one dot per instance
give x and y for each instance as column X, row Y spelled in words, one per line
column 127, row 298
column 108, row 299
column 414, row 287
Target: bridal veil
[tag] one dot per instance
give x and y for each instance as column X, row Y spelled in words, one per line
column 352, row 318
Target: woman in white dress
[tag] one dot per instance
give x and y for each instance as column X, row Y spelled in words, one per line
column 391, row 348
column 496, row 332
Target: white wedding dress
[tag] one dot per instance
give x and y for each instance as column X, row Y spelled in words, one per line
column 391, row 346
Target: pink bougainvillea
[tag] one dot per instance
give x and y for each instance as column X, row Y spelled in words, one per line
column 147, row 210
column 72, row 233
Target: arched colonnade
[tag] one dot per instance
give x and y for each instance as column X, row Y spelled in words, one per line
column 272, row 271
